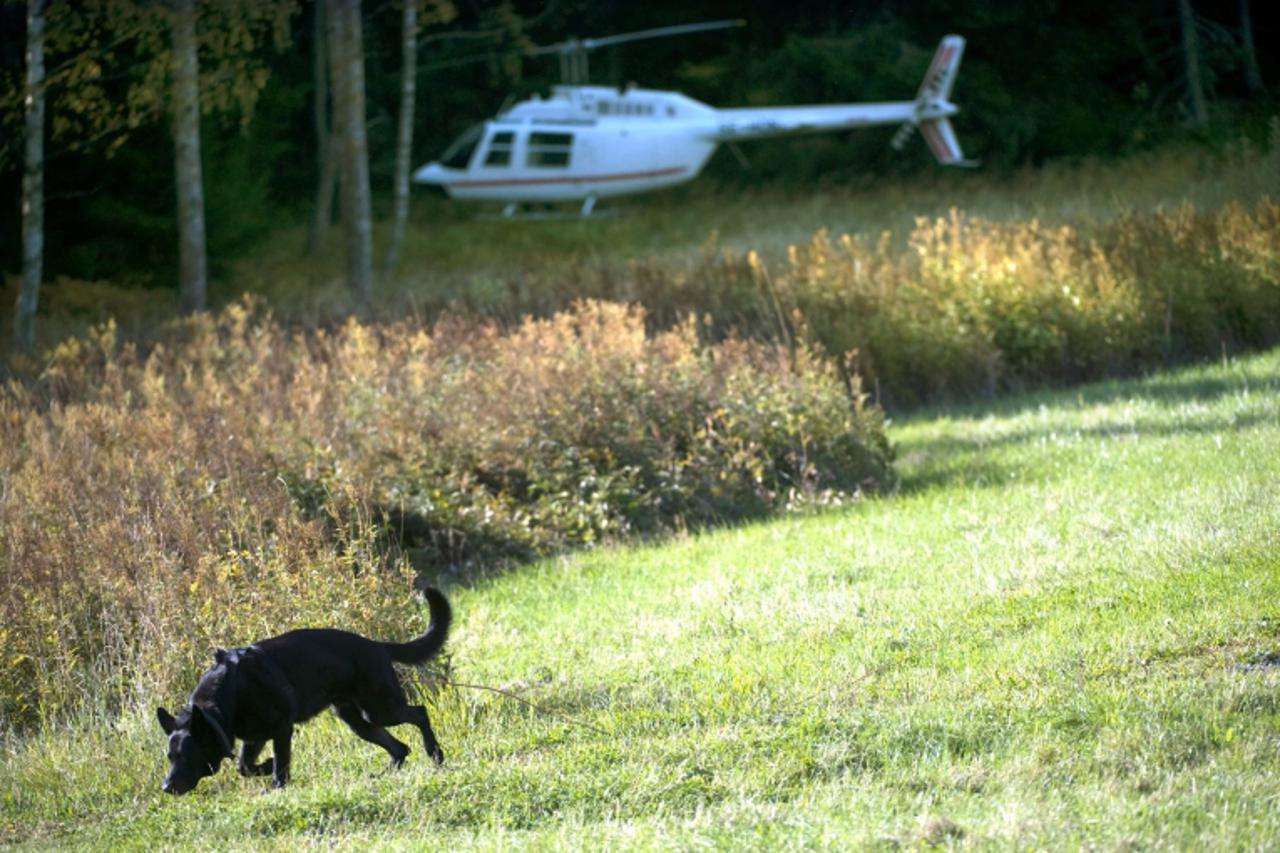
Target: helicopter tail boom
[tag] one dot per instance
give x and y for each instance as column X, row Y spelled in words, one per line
column 929, row 113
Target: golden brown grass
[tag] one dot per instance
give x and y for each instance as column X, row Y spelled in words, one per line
column 238, row 477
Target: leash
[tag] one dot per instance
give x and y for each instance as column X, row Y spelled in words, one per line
column 534, row 705
column 209, row 718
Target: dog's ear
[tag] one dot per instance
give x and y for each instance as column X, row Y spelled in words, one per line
column 167, row 722
column 219, row 655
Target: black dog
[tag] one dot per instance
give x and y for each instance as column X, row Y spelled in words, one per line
column 257, row 693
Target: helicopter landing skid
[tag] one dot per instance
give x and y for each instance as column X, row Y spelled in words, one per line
column 547, row 213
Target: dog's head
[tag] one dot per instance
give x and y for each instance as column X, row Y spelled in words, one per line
column 197, row 745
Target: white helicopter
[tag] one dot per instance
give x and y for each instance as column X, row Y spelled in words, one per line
column 585, row 143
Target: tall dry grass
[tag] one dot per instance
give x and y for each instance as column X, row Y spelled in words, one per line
column 966, row 307
column 238, row 477
column 974, row 308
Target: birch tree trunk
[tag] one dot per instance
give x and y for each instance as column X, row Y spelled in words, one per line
column 192, row 272
column 327, row 150
column 24, row 322
column 1191, row 55
column 404, row 141
column 346, row 58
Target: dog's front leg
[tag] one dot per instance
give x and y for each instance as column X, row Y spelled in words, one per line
column 282, row 744
column 249, row 755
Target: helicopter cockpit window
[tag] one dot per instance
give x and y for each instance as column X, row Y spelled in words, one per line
column 500, row 145
column 458, row 154
column 550, row 149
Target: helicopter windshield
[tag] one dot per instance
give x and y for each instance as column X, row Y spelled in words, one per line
column 459, row 152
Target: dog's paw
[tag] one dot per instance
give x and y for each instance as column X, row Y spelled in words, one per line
column 437, row 754
column 266, row 768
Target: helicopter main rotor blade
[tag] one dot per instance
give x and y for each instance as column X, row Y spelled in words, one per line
column 572, row 45
column 575, row 49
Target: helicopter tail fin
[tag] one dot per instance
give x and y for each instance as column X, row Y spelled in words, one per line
column 933, row 106
column 941, row 75
column 941, row 139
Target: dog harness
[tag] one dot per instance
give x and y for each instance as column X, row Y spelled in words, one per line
column 278, row 674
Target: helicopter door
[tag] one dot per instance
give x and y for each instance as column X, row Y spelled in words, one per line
column 549, row 150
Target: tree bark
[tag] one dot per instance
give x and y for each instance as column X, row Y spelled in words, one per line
column 327, row 150
column 24, row 323
column 1191, row 56
column 192, row 272
column 346, row 58
column 1252, row 73
column 404, row 141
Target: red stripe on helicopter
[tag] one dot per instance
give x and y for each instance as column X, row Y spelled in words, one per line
column 524, row 182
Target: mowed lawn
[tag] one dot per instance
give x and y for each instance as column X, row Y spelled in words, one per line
column 1062, row 631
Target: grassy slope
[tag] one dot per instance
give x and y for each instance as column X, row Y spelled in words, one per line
column 1057, row 634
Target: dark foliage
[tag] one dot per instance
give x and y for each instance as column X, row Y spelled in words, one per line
column 1041, row 80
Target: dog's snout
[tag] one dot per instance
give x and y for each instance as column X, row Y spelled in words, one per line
column 167, row 787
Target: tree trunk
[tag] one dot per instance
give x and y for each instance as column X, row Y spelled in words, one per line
column 192, row 273
column 326, row 139
column 24, row 323
column 346, row 58
column 1191, row 55
column 404, row 142
column 1252, row 74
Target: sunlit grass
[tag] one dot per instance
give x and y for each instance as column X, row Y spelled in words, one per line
column 1061, row 632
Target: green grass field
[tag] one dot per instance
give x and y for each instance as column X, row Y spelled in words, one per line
column 1062, row 631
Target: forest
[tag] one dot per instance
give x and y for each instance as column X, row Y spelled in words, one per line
column 1042, row 82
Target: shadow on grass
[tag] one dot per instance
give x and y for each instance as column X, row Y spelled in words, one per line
column 975, row 459
column 961, row 454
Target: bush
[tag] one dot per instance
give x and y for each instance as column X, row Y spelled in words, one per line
column 238, row 478
column 970, row 308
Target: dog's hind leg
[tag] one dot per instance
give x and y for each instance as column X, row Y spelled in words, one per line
column 406, row 713
column 386, row 705
column 354, row 717
column 417, row 715
column 248, row 755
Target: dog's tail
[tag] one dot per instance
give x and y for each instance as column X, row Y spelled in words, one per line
column 419, row 650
